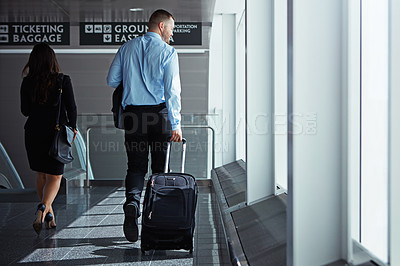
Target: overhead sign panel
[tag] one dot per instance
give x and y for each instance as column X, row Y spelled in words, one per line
column 117, row 33
column 28, row 33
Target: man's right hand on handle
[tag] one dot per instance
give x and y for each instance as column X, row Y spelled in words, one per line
column 176, row 135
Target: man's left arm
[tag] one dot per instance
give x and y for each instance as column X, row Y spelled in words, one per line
column 172, row 92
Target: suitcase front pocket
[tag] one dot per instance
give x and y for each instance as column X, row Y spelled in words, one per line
column 168, row 208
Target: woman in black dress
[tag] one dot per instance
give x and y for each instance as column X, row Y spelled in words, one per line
column 39, row 102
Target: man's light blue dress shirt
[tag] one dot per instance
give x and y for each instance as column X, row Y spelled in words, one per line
column 149, row 69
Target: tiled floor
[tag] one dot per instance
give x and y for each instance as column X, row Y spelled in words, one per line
column 89, row 232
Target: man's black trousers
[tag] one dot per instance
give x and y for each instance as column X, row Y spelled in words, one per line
column 146, row 129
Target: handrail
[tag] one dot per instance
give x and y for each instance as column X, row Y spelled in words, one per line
column 17, row 178
column 112, row 126
column 110, row 114
column 213, row 139
column 87, row 156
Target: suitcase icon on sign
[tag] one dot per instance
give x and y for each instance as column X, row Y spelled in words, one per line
column 3, row 38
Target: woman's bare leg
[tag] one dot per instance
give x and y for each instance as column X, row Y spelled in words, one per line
column 50, row 192
column 53, row 222
column 40, row 183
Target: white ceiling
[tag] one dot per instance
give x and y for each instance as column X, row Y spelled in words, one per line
column 75, row 11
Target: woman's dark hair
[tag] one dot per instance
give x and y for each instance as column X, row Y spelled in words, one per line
column 42, row 68
column 158, row 16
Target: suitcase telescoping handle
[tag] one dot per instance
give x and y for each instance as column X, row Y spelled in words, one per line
column 169, row 153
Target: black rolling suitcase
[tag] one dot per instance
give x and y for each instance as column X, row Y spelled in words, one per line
column 169, row 206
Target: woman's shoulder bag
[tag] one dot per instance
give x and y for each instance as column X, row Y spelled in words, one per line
column 60, row 148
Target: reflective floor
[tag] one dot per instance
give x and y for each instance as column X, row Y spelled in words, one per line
column 89, row 232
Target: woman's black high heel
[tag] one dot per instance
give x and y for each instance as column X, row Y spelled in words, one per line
column 37, row 224
column 48, row 218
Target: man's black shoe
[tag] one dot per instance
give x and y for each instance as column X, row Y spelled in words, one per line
column 131, row 229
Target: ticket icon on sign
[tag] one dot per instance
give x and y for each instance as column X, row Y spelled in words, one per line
column 3, row 28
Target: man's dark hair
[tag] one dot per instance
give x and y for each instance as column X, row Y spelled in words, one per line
column 158, row 16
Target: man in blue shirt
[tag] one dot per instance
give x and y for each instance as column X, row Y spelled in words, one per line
column 148, row 67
